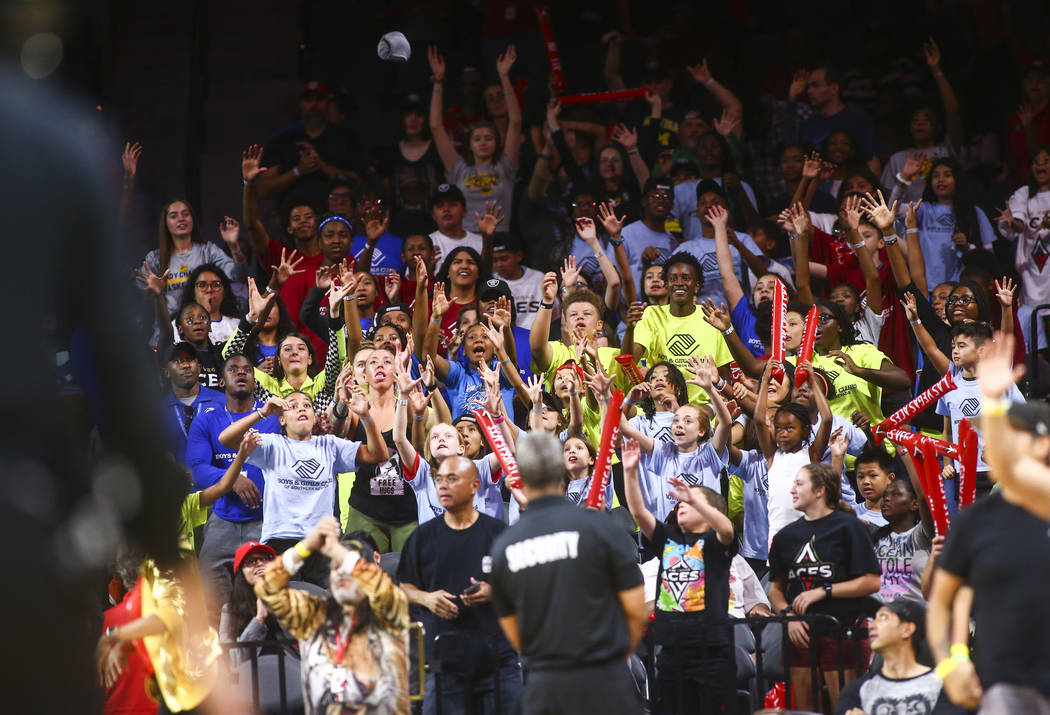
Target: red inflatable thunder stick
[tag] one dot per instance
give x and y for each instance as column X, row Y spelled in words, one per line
column 499, row 446
column 929, row 472
column 968, row 478
column 613, row 95
column 937, row 390
column 552, row 50
column 780, row 306
column 805, row 353
column 630, row 369
column 603, row 464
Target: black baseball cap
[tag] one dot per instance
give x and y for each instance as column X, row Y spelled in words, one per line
column 909, row 610
column 495, row 287
column 447, row 191
column 681, row 160
column 506, row 241
column 551, row 400
column 654, row 183
column 709, row 186
column 1032, row 417
column 180, row 348
column 390, row 308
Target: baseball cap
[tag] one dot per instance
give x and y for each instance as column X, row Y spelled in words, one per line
column 180, row 348
column 551, row 400
column 447, row 191
column 909, row 610
column 506, row 241
column 682, row 160
column 248, row 548
column 495, row 287
column 654, row 183
column 465, row 417
column 1033, row 417
column 692, row 114
column 314, row 87
column 390, row 308
column 709, row 186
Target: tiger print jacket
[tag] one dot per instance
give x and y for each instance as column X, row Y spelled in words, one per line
column 374, row 678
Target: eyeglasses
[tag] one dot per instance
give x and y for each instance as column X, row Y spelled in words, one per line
column 208, row 285
column 449, row 479
column 961, row 299
column 825, row 318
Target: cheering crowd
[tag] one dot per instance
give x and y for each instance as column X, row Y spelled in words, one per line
column 773, row 363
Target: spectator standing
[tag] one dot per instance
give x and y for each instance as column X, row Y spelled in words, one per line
column 448, row 207
column 823, row 90
column 415, row 170
column 444, row 569
column 1029, row 127
column 525, row 283
column 187, row 399
column 583, row 562
column 647, row 240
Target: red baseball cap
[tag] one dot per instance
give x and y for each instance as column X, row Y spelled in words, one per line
column 314, row 87
column 247, row 548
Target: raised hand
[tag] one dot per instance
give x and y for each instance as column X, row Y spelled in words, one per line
column 727, row 124
column 506, row 61
column 635, row 313
column 273, row 406
column 495, row 336
column 491, row 219
column 130, row 159
column 437, row 64
column 151, row 282
column 911, row 216
column 342, row 289
column 439, row 306
column 912, row 164
column 700, row 72
column 799, row 82
column 358, row 402
column 851, row 210
column 607, row 215
column 392, row 287
column 717, row 215
column 843, row 359
column 717, row 317
column 811, row 166
column 860, row 420
column 598, row 382
column 639, row 392
column 534, row 389
column 1005, row 215
column 630, row 453
column 570, row 273
column 705, row 374
column 252, row 439
column 681, row 491
column 549, row 287
column 585, row 227
column 230, row 230
column 287, row 267
column 403, row 373
column 251, row 163
column 877, row 210
column 653, row 98
column 376, row 224
column 800, row 219
column 421, row 271
column 553, row 110
column 1026, row 113
column 1004, row 291
column 628, row 138
column 932, row 53
column 837, row 443
column 910, row 307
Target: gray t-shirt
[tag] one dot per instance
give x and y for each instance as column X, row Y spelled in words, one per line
column 700, row 468
column 878, row 694
column 182, row 264
column 485, row 183
column 300, row 481
column 754, row 472
column 903, row 558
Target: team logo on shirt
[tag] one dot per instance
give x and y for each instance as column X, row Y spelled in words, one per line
column 682, row 578
column 1040, row 253
column 664, row 435
column 709, row 263
column 970, row 406
column 307, row 469
column 809, row 567
column 482, row 182
column 681, row 344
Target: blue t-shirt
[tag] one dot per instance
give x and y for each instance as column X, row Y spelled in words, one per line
column 701, row 467
column 754, row 473
column 521, row 345
column 178, row 417
column 936, row 226
column 685, row 205
column 487, row 500
column 851, row 119
column 386, row 259
column 743, row 319
column 466, row 389
column 209, row 459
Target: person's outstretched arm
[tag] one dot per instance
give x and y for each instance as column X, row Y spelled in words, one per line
column 210, row 495
column 630, row 455
column 512, row 141
column 443, row 142
column 539, row 333
column 952, row 116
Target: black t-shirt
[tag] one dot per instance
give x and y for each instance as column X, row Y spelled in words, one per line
column 437, row 557
column 211, row 369
column 560, row 570
column 379, row 491
column 692, row 586
column 832, row 549
column 333, row 145
column 1003, row 552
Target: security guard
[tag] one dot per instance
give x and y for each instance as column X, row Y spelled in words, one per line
column 568, row 592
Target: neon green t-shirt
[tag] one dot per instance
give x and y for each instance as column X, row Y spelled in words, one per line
column 674, row 339
column 191, row 516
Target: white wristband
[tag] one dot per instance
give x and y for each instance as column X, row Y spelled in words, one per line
column 728, row 331
column 295, row 170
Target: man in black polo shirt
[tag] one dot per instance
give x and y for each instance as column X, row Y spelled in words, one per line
column 443, row 568
column 1000, row 547
column 568, row 592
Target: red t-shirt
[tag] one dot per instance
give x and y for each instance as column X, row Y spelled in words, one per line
column 294, row 292
column 128, row 696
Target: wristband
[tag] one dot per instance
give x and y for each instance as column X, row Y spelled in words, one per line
column 573, row 393
column 628, row 404
column 945, row 667
column 786, row 611
column 938, row 73
column 403, row 403
column 721, row 384
column 259, row 412
column 960, row 652
column 994, row 407
column 498, row 420
column 890, row 240
column 709, row 81
column 436, row 318
column 616, row 242
column 111, row 635
column 270, row 290
column 633, row 151
column 418, row 418
column 365, row 420
column 303, row 552
column 599, row 253
column 246, row 182
column 728, row 331
column 900, row 178
column 915, row 322
column 827, row 590
column 505, row 361
column 548, row 306
column 910, row 231
column 248, row 319
column 856, row 246
column 295, row 170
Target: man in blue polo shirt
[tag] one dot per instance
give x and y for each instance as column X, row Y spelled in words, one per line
column 237, row 517
column 187, row 399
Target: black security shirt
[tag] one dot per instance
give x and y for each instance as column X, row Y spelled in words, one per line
column 1003, row 552
column 560, row 570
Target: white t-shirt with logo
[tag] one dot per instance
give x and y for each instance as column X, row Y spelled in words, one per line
column 528, row 295
column 444, row 244
column 965, row 402
column 1033, row 249
column 300, row 481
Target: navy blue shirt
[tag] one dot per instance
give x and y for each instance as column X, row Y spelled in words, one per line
column 386, row 258
column 209, row 459
column 179, row 417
